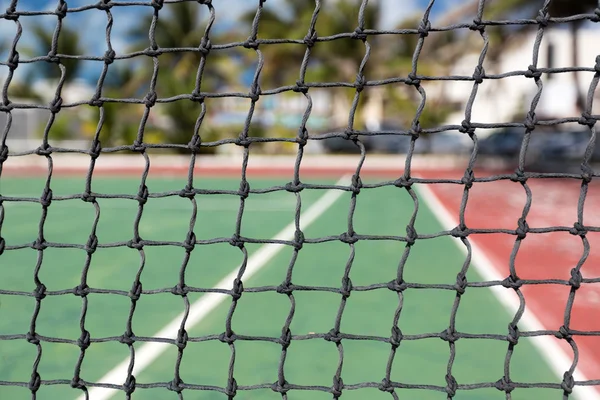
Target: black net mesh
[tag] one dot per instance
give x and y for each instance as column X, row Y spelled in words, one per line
column 205, row 49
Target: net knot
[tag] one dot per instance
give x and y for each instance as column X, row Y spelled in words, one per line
column 109, row 56
column 513, row 334
column 227, row 338
column 286, row 338
column 479, row 74
column 52, row 58
column 281, row 387
column 13, row 60
column 360, row 82
column 359, row 34
column 88, row 197
column 504, row 385
column 244, row 189
column 411, row 235
column 477, row 26
column 190, row 242
column 32, row 338
column 81, row 290
column 35, row 382
column 92, row 244
column 150, row 99
column 96, row 102
column 153, row 51
column 238, row 289
column 197, row 97
column 449, row 335
column 129, row 385
column 285, row 288
column 127, row 338
column 333, row 336
column 176, row 385
column 231, row 389
column 46, row 198
column 424, row 28
column 348, row 238
column 578, row 230
column 157, row 4
column 518, row 176
column 412, row 80
column 568, row 383
column 346, row 289
column 512, row 283
column 587, row 119
column 461, row 284
column 576, row 278
column 61, row 10
column 84, row 340
column 415, row 130
column 338, row 386
column 142, row 195
column 39, row 292
column 251, row 43
column 396, row 286
column 466, row 127
column 298, row 240
column 205, row 45
column 182, row 339
column 187, row 192
column 136, row 290
column 104, row 5
column 563, row 333
column 356, row 184
column 6, row 107
column 461, row 231
column 195, row 144
column 468, row 178
column 43, row 150
column 135, row 243
column 3, row 153
column 587, row 173
column 533, row 72
column 597, row 66
column 310, row 39
column 350, row 135
column 386, row 386
column 39, row 244
column 403, row 182
column 522, row 229
column 542, row 19
column 236, row 241
column 294, row 187
column 180, row 290
column 396, row 337
column 452, row 385
column 56, row 105
column 95, row 149
column 11, row 14
column 2, row 245
column 77, row 383
column 255, row 92
column 300, row 87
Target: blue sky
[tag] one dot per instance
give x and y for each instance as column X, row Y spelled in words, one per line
column 92, row 23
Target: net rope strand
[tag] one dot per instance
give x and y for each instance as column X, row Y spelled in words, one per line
column 397, row 284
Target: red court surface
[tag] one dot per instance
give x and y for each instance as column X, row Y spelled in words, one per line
column 553, row 255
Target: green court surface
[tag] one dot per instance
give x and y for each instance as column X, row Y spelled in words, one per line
column 384, row 211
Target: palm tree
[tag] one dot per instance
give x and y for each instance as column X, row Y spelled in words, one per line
column 68, row 44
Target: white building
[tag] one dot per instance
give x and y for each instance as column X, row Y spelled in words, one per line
column 500, row 100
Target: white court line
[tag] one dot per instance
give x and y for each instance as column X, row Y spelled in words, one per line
column 556, row 357
column 147, row 353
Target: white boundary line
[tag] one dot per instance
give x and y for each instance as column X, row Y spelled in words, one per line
column 147, row 353
column 556, row 357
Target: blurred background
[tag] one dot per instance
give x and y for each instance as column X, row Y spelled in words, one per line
column 390, row 107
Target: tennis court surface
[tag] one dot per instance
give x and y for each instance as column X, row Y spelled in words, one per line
column 339, row 298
